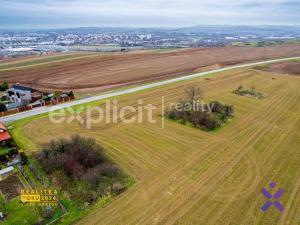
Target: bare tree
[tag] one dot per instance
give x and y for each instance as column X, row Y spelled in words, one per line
column 193, row 92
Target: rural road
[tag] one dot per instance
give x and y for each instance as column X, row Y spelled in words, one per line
column 48, row 109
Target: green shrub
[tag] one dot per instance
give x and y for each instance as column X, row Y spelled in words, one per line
column 4, row 86
column 2, row 107
column 203, row 118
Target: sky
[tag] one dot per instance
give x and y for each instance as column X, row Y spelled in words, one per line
column 146, row 13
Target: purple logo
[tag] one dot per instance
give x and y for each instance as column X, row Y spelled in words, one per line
column 272, row 199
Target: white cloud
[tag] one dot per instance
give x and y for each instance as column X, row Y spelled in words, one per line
column 157, row 12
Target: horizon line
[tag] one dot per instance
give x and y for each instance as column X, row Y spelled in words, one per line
column 147, row 27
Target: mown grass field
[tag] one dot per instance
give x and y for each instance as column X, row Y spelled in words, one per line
column 187, row 176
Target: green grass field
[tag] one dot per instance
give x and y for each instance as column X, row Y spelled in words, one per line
column 187, row 176
column 20, row 214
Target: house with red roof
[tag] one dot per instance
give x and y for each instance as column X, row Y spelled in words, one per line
column 4, row 135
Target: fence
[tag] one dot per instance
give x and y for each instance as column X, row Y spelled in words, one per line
column 54, row 101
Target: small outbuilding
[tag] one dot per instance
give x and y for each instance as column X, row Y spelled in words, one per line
column 6, row 172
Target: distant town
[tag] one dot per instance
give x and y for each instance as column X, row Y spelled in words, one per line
column 15, row 43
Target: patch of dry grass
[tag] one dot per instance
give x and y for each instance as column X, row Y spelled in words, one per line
column 187, row 176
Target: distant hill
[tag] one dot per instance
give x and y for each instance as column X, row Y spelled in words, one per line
column 201, row 29
column 188, row 30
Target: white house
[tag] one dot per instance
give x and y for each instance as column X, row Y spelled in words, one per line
column 19, row 93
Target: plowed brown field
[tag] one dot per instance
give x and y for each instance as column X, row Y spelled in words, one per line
column 96, row 72
column 290, row 68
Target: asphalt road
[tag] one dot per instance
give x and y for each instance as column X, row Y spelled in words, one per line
column 48, row 109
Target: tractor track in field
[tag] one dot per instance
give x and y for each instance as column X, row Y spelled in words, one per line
column 179, row 169
column 192, row 156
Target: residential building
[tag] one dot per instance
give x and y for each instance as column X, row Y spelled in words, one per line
column 14, row 105
column 4, row 135
column 18, row 93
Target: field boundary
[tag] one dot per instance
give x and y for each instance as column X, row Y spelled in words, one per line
column 43, row 110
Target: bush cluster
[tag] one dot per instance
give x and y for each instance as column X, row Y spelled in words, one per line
column 245, row 92
column 204, row 119
column 4, row 86
column 80, row 167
